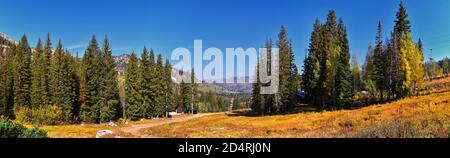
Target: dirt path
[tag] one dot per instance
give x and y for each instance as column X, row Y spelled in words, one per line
column 135, row 129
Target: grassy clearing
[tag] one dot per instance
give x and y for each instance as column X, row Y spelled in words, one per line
column 90, row 130
column 426, row 115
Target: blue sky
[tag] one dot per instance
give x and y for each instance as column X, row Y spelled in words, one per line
column 167, row 24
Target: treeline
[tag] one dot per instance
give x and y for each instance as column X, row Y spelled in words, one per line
column 393, row 69
column 51, row 86
column 47, row 85
column 148, row 86
column 285, row 100
column 437, row 69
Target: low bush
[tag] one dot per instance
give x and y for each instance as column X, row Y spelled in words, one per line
column 45, row 115
column 10, row 129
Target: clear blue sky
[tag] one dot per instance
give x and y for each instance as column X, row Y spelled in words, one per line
column 168, row 24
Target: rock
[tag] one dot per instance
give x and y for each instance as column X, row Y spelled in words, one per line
column 105, row 134
column 112, row 124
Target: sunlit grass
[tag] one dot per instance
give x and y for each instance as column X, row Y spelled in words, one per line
column 429, row 113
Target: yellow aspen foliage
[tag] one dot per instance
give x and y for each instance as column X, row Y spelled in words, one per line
column 412, row 64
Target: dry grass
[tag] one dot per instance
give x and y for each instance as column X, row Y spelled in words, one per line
column 90, row 130
column 428, row 115
column 425, row 115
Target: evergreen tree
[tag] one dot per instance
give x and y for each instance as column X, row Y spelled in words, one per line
column 379, row 61
column 186, row 96
column 311, row 63
column 46, row 63
column 22, row 74
column 109, row 90
column 133, row 98
column 193, row 85
column 37, row 73
column 257, row 98
column 9, row 83
column 168, row 88
column 90, row 82
column 147, row 98
column 286, row 62
column 269, row 100
column 6, row 80
column 159, row 90
column 62, row 78
column 344, row 92
column 402, row 24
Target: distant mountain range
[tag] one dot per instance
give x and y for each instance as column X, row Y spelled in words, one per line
column 122, row 61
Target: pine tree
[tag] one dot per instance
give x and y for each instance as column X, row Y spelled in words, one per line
column 257, row 98
column 186, row 95
column 311, row 63
column 62, row 78
column 402, row 24
column 147, row 85
column 133, row 98
column 159, row 90
column 90, row 82
column 379, row 59
column 286, row 57
column 37, row 73
column 109, row 90
column 9, row 83
column 22, row 74
column 6, row 80
column 344, row 92
column 193, row 85
column 269, row 100
column 168, row 91
column 46, row 61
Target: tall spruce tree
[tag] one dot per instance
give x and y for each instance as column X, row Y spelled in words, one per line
column 286, row 57
column 344, row 92
column 147, row 85
column 22, row 74
column 47, row 58
column 311, row 63
column 379, row 61
column 62, row 75
column 257, row 98
column 37, row 73
column 168, row 88
column 90, row 82
column 159, row 90
column 109, row 91
column 133, row 98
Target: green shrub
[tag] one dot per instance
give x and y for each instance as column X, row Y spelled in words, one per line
column 10, row 129
column 34, row 132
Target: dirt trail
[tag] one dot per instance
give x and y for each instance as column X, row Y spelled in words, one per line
column 135, row 129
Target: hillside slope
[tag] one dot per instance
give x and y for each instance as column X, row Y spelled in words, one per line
column 426, row 115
